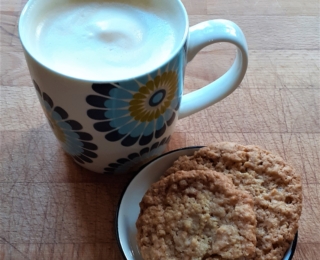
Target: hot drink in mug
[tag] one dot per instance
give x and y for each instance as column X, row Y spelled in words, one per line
column 104, row 40
column 109, row 74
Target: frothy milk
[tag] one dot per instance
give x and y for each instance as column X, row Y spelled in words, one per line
column 103, row 40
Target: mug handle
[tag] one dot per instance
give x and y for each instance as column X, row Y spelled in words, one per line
column 200, row 36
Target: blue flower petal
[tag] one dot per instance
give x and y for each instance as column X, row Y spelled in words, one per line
column 71, row 135
column 46, row 106
column 167, row 115
column 149, row 128
column 174, row 103
column 72, row 149
column 70, row 138
column 124, row 167
column 118, row 122
column 173, row 65
column 158, row 150
column 160, row 122
column 64, row 125
column 138, row 130
column 56, row 116
column 120, row 93
column 115, row 104
column 112, row 114
column 74, row 142
column 130, row 85
column 125, row 129
column 71, row 145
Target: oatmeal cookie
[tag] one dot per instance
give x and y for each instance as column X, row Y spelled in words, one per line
column 196, row 215
column 274, row 185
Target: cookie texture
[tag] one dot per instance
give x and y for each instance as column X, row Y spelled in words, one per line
column 273, row 184
column 196, row 215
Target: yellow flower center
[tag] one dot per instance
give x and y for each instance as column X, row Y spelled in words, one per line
column 162, row 89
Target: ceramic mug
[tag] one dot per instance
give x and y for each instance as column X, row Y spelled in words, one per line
column 115, row 126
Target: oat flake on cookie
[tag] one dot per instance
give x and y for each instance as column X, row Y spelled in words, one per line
column 274, row 185
column 196, row 214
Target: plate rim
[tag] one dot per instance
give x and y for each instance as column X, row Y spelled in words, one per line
column 131, row 180
column 293, row 245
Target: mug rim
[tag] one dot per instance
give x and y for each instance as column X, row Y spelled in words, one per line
column 174, row 53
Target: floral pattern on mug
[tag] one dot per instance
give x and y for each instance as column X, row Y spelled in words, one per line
column 73, row 141
column 139, row 110
column 135, row 160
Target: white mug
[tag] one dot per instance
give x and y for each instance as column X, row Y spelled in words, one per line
column 117, row 123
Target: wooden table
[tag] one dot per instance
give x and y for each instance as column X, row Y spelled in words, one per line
column 50, row 208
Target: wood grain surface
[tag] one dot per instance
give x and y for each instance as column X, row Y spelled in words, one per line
column 50, row 208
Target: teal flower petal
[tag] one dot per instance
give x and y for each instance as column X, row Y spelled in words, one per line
column 46, row 106
column 72, row 148
column 120, row 93
column 111, row 107
column 130, row 85
column 115, row 104
column 174, row 103
column 125, row 129
column 138, row 130
column 65, row 126
column 149, row 129
column 159, row 122
column 56, row 116
column 71, row 135
column 167, row 115
column 135, row 160
column 112, row 114
column 118, row 122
